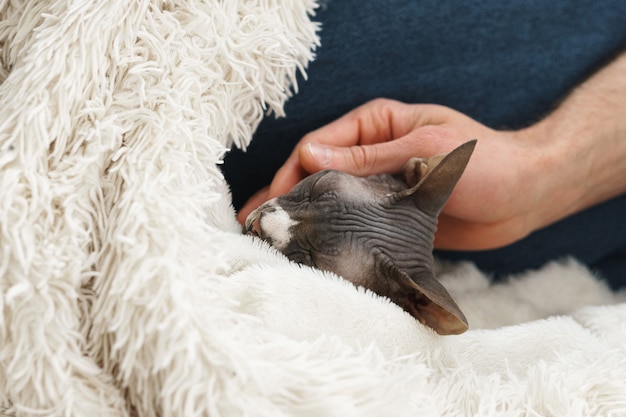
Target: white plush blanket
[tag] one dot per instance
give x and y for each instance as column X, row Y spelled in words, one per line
column 127, row 289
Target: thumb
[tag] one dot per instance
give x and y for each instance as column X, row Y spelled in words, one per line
column 363, row 160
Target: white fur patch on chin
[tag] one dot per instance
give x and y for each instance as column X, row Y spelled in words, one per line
column 276, row 226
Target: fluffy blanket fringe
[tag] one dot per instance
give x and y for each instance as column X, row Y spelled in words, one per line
column 126, row 288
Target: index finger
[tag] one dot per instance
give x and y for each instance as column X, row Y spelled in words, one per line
column 376, row 121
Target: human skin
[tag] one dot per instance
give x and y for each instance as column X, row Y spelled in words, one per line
column 516, row 182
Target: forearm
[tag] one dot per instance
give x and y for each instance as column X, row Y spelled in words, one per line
column 583, row 145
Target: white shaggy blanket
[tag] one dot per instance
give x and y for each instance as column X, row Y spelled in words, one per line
column 127, row 289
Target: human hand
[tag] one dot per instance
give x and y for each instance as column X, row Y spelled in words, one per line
column 497, row 201
column 488, row 208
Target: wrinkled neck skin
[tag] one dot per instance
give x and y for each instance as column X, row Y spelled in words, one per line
column 399, row 234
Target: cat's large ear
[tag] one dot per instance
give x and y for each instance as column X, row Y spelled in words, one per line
column 435, row 178
column 428, row 301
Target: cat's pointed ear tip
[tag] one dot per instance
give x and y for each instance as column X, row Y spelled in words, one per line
column 444, row 321
column 468, row 146
column 453, row 327
column 430, row 303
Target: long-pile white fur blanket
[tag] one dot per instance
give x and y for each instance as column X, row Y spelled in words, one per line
column 127, row 289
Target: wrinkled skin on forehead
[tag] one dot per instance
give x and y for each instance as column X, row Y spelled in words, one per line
column 376, row 232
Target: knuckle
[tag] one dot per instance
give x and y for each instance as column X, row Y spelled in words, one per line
column 363, row 159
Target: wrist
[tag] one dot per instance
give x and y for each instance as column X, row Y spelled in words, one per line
column 541, row 190
column 556, row 190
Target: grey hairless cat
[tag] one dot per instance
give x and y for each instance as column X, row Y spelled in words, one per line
column 376, row 232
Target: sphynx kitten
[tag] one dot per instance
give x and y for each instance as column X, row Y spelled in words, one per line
column 376, row 232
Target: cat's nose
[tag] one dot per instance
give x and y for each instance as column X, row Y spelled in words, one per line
column 253, row 224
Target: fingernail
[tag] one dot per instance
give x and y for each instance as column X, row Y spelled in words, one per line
column 320, row 153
